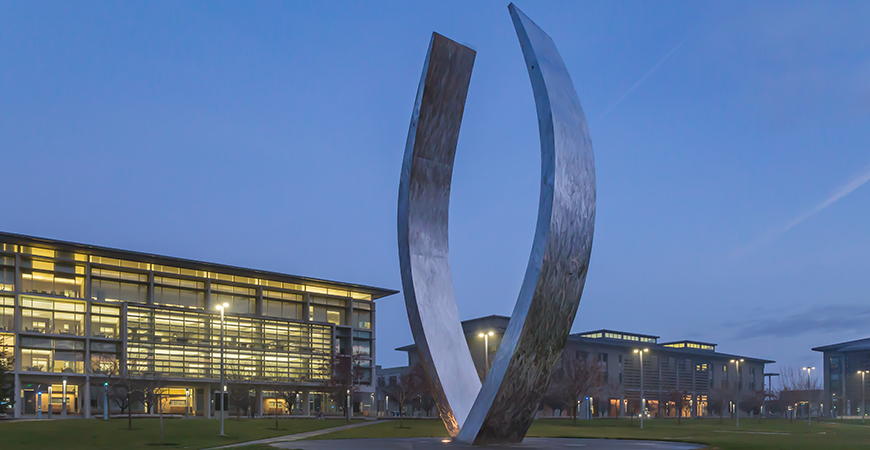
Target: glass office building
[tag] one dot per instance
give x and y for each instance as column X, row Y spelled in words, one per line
column 69, row 313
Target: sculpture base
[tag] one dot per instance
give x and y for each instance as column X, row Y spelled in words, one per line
column 444, row 444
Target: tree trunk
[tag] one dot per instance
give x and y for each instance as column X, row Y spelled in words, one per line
column 574, row 415
column 129, row 411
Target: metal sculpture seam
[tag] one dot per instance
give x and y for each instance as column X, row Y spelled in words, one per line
column 504, row 406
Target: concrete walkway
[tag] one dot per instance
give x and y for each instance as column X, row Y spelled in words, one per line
column 527, row 444
column 298, row 436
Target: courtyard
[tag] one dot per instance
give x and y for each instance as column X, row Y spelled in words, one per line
column 769, row 434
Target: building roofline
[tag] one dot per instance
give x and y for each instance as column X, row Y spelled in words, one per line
column 21, row 239
column 684, row 341
column 606, row 330
column 491, row 316
column 839, row 345
column 661, row 347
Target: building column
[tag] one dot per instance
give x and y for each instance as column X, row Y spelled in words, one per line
column 258, row 411
column 64, row 403
column 87, row 398
column 206, row 405
column 306, row 402
column 16, row 408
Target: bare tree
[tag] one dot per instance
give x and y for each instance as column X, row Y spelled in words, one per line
column 289, row 395
column 346, row 377
column 118, row 387
column 239, row 387
column 678, row 398
column 752, row 401
column 576, row 377
column 717, row 399
column 407, row 387
column 7, row 383
column 797, row 387
column 152, row 390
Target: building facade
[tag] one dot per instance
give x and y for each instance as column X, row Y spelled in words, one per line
column 845, row 387
column 692, row 368
column 70, row 314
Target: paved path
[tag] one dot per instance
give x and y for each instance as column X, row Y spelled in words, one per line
column 528, row 444
column 299, row 436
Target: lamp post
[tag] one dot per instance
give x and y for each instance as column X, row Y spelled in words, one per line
column 221, row 405
column 106, row 400
column 863, row 397
column 809, row 398
column 485, row 337
column 737, row 400
column 642, row 400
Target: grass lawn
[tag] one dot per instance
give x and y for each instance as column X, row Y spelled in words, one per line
column 74, row 434
column 751, row 435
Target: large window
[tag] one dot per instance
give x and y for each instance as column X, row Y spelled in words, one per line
column 116, row 286
column 52, row 278
column 7, row 313
column 7, row 273
column 105, row 321
column 328, row 310
column 178, row 292
column 41, row 315
column 283, row 304
column 287, row 310
column 52, row 355
column 7, row 346
column 241, row 300
column 104, row 358
column 362, row 315
column 186, row 344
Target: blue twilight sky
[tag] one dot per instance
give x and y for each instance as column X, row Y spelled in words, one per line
column 731, row 144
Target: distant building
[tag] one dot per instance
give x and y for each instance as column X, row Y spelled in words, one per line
column 693, row 367
column 70, row 312
column 843, row 393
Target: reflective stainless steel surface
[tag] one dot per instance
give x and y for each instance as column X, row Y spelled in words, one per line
column 424, row 197
column 559, row 260
column 550, row 294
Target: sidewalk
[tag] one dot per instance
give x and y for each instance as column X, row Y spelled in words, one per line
column 298, row 436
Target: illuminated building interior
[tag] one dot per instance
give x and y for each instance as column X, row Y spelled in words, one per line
column 70, row 314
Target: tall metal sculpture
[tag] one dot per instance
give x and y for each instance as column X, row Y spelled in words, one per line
column 502, row 409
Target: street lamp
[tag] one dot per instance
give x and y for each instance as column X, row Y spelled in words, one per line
column 737, row 401
column 485, row 337
column 863, row 397
column 221, row 406
column 642, row 400
column 809, row 398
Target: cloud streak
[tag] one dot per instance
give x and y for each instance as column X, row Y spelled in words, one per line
column 842, row 319
column 850, row 187
column 644, row 77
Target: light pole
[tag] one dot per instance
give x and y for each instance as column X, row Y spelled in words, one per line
column 221, row 406
column 737, row 400
column 485, row 337
column 642, row 400
column 809, row 397
column 863, row 397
